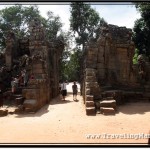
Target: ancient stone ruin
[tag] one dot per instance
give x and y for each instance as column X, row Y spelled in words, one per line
column 110, row 78
column 40, row 57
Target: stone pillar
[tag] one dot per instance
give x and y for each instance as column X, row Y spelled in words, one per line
column 9, row 52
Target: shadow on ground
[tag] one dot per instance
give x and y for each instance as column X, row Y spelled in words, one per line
column 39, row 113
column 134, row 108
column 44, row 109
column 54, row 102
column 58, row 100
column 76, row 100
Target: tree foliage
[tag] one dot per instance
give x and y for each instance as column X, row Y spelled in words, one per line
column 72, row 66
column 65, row 71
column 142, row 29
column 135, row 61
column 53, row 25
column 83, row 21
column 18, row 17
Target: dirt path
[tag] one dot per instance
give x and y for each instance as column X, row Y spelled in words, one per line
column 66, row 122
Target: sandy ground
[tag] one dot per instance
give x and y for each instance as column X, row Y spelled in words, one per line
column 65, row 122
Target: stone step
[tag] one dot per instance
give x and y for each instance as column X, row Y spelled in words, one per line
column 109, row 98
column 3, row 112
column 107, row 110
column 110, row 103
column 19, row 110
column 19, row 100
column 89, row 98
column 30, row 102
column 17, row 95
column 90, row 111
column 89, row 104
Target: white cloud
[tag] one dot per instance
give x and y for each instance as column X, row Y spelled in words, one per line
column 60, row 10
column 121, row 15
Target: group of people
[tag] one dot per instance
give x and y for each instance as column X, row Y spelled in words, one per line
column 63, row 90
column 19, row 80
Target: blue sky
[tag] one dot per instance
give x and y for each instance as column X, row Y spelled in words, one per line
column 121, row 15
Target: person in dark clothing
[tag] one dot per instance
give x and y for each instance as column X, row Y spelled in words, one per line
column 75, row 91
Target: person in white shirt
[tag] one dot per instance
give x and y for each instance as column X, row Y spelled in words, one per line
column 64, row 90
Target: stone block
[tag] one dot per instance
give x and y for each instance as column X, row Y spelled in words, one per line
column 92, row 51
column 89, row 71
column 19, row 110
column 89, row 98
column 37, row 66
column 91, row 84
column 110, row 98
column 39, row 70
column 3, row 113
column 101, row 41
column 30, row 103
column 30, row 93
column 100, row 58
column 101, row 50
column 91, row 65
column 87, row 91
column 110, row 103
column 90, row 111
column 90, row 78
column 107, row 110
column 100, row 66
column 101, row 73
column 19, row 100
column 92, row 58
column 89, row 104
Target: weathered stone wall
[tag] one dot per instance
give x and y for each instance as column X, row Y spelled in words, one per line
column 10, row 49
column 110, row 57
column 40, row 57
column 44, row 63
column 115, row 53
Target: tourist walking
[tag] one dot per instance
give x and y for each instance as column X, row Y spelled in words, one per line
column 64, row 90
column 75, row 91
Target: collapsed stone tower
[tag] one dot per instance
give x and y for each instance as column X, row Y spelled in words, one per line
column 108, row 64
column 38, row 89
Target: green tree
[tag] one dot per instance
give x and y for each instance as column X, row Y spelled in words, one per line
column 72, row 66
column 135, row 56
column 83, row 21
column 68, row 39
column 141, row 29
column 53, row 25
column 16, row 18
